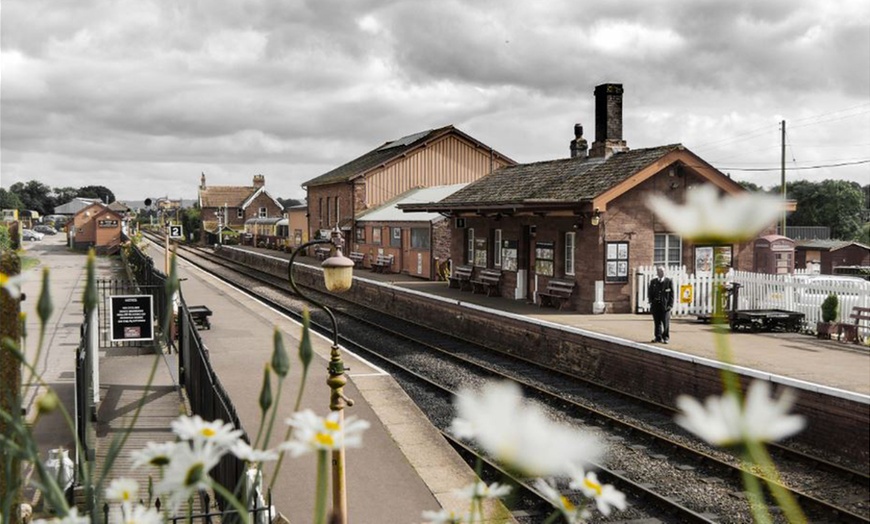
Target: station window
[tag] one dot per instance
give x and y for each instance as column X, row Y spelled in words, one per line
column 360, row 234
column 569, row 253
column 667, row 250
column 376, row 235
column 419, row 238
column 469, row 235
column 496, row 248
column 396, row 237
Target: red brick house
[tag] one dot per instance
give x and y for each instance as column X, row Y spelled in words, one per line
column 828, row 254
column 435, row 157
column 582, row 219
column 97, row 226
column 231, row 206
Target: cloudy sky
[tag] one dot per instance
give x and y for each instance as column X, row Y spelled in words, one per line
column 141, row 96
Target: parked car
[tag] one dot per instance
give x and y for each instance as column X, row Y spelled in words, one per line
column 45, row 230
column 29, row 234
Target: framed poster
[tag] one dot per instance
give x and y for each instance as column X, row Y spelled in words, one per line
column 545, row 253
column 704, row 260
column 616, row 265
column 480, row 251
column 509, row 255
column 131, row 317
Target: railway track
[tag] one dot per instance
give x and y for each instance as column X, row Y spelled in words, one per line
column 676, row 478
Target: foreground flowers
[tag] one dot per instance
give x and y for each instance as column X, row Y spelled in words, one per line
column 722, row 421
column 705, row 218
column 519, row 434
column 314, row 433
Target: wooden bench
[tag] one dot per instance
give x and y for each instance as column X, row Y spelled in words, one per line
column 322, row 253
column 557, row 294
column 357, row 258
column 383, row 264
column 487, row 282
column 461, row 277
column 849, row 331
column 200, row 315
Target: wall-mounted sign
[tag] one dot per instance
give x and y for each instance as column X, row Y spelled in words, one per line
column 131, row 317
column 108, row 222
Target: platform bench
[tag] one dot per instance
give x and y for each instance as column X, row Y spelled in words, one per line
column 200, row 315
column 557, row 294
column 487, row 281
column 357, row 258
column 322, row 253
column 460, row 277
column 849, row 331
column 383, row 264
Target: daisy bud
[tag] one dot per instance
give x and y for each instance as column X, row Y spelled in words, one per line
column 306, row 352
column 280, row 360
column 44, row 307
column 266, row 391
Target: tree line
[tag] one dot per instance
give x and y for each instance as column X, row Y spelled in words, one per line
column 39, row 197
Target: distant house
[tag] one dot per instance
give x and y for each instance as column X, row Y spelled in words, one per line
column 417, row 241
column 829, row 254
column 429, row 158
column 584, row 219
column 97, row 226
column 230, row 206
column 297, row 224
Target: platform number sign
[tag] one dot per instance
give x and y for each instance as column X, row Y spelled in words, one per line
column 175, row 231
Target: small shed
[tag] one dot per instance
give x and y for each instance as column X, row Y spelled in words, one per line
column 774, row 255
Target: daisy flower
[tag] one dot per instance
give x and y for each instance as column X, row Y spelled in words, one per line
column 479, row 490
column 72, row 517
column 122, row 490
column 520, row 434
column 12, row 284
column 244, row 451
column 572, row 513
column 724, row 422
column 605, row 495
column 154, row 454
column 187, row 472
column 314, row 433
column 201, row 432
column 705, row 218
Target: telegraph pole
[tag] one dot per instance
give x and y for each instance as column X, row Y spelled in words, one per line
column 782, row 171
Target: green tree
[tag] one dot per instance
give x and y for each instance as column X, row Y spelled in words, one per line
column 834, row 203
column 9, row 200
column 751, row 186
column 63, row 195
column 34, row 195
column 103, row 193
column 191, row 221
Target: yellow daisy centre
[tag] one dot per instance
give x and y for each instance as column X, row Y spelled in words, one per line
column 331, row 425
column 208, row 432
column 125, row 495
column 324, row 439
column 569, row 506
column 4, row 278
column 594, row 486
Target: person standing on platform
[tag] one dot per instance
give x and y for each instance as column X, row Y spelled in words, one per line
column 661, row 300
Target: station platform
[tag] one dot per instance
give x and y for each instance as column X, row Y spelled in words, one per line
column 802, row 359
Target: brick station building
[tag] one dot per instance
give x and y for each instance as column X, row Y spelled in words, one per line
column 583, row 219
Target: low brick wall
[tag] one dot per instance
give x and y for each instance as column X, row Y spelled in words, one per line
column 836, row 424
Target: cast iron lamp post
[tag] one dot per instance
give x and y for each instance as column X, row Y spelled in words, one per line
column 338, row 277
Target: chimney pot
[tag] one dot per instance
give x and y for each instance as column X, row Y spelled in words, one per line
column 579, row 146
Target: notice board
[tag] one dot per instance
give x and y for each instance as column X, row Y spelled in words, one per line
column 131, row 317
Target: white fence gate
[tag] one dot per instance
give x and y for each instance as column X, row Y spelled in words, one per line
column 757, row 291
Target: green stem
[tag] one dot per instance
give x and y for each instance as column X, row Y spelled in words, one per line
column 289, row 432
column 553, row 517
column 234, row 502
column 723, row 349
column 322, row 483
column 274, row 412
column 784, row 499
column 755, row 497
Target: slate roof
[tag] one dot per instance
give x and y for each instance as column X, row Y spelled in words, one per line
column 563, row 180
column 217, row 196
column 827, row 245
column 385, row 153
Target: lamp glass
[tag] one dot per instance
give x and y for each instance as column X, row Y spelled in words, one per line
column 595, row 219
column 337, row 273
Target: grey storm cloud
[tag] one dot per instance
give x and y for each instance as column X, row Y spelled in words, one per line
column 148, row 93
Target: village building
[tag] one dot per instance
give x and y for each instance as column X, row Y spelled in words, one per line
column 225, row 209
column 577, row 228
column 297, row 225
column 826, row 256
column 97, row 226
column 436, row 157
column 74, row 206
column 419, row 243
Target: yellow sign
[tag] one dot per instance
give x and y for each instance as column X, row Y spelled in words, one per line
column 686, row 292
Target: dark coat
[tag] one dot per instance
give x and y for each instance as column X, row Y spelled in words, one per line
column 661, row 293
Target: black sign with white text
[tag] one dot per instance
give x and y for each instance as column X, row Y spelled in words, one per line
column 131, row 318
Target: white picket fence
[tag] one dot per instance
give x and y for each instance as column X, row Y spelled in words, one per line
column 757, row 291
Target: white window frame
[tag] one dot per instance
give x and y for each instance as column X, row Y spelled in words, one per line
column 470, row 247
column 240, row 213
column 570, row 246
column 669, row 239
column 496, row 251
column 263, row 213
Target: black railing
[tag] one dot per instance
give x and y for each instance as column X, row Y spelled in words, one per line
column 258, row 514
column 206, row 394
column 84, row 399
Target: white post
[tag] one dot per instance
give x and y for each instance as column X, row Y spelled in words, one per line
column 94, row 350
column 599, row 306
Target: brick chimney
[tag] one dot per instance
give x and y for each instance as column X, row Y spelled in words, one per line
column 259, row 181
column 608, row 121
column 579, row 146
column 202, row 181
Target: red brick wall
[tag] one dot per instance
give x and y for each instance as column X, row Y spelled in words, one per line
column 317, row 205
column 847, row 256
